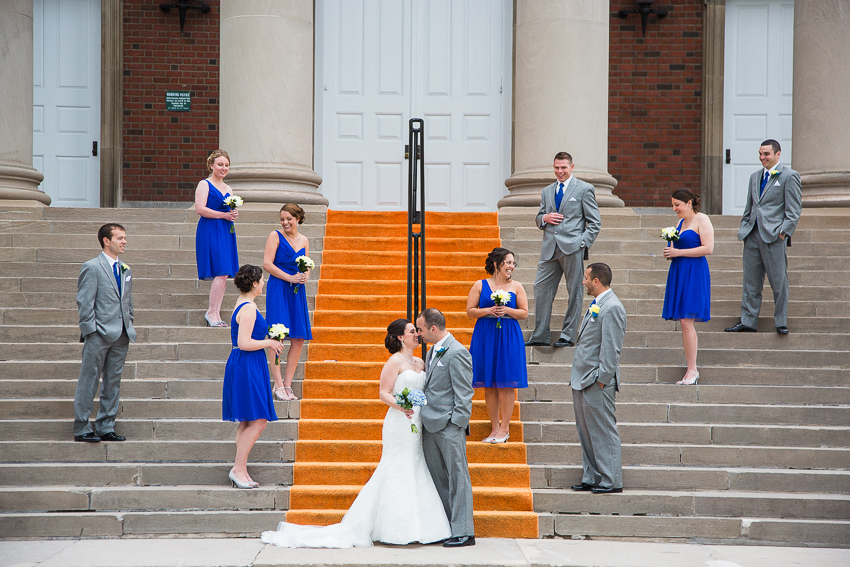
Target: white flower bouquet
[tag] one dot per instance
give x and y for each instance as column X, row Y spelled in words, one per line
column 304, row 263
column 233, row 201
column 670, row 234
column 408, row 399
column 278, row 331
column 500, row 297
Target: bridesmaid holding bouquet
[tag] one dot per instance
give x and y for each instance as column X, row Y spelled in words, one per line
column 286, row 301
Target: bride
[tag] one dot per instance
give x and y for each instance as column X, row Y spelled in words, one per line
column 399, row 504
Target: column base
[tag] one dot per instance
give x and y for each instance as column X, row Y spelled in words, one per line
column 20, row 183
column 293, row 184
column 826, row 189
column 525, row 188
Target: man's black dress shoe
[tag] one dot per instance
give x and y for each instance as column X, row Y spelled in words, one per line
column 460, row 541
column 582, row 487
column 600, row 490
column 563, row 343
column 782, row 330
column 536, row 343
column 112, row 437
column 89, row 437
column 740, row 328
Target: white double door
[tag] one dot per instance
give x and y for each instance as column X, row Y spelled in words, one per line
column 66, row 100
column 758, row 93
column 381, row 63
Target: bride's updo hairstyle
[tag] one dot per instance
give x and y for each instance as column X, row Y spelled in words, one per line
column 686, row 195
column 247, row 276
column 496, row 258
column 394, row 331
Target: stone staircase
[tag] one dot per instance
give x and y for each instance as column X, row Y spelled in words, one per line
column 759, row 452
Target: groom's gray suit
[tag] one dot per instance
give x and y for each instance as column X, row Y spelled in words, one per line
column 448, row 389
column 106, row 328
column 562, row 253
column 597, row 362
column 775, row 211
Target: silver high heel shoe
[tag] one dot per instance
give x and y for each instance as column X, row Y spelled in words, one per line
column 236, row 483
column 501, row 439
column 684, row 382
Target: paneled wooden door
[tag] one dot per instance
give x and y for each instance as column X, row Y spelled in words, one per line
column 758, row 80
column 378, row 64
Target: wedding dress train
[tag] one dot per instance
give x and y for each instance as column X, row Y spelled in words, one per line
column 399, row 504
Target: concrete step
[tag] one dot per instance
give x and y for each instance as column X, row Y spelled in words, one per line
column 735, row 531
column 673, row 478
column 137, row 474
column 141, row 301
column 703, row 503
column 700, row 455
column 265, row 450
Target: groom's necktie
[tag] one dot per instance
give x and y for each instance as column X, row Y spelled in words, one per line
column 764, row 179
column 558, row 196
column 117, row 276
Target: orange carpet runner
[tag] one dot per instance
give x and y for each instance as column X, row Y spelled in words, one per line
column 362, row 288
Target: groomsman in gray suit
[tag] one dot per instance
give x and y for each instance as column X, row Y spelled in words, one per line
column 569, row 219
column 595, row 379
column 105, row 303
column 445, row 420
column 774, row 204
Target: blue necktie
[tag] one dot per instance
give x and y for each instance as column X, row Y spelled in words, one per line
column 117, row 276
column 558, row 196
column 763, row 182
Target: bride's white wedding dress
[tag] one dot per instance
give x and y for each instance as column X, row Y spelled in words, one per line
column 398, row 505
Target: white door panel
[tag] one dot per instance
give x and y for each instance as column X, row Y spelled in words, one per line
column 757, row 89
column 379, row 63
column 66, row 99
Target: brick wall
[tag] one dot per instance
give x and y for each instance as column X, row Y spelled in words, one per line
column 655, row 102
column 165, row 152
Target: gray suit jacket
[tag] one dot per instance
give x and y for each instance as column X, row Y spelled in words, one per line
column 101, row 308
column 778, row 209
column 597, row 354
column 448, row 387
column 581, row 218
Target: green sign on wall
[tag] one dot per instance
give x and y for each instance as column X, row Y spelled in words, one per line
column 178, row 101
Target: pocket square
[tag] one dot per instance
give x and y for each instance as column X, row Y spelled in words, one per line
column 439, row 363
column 776, row 184
column 572, row 199
column 127, row 278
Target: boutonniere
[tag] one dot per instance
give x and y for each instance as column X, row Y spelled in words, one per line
column 594, row 311
column 773, row 171
column 441, row 351
column 124, row 267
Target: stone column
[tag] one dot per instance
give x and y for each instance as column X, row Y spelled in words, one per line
column 821, row 120
column 18, row 179
column 560, row 97
column 266, row 109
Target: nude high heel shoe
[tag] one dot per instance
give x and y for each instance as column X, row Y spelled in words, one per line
column 236, row 483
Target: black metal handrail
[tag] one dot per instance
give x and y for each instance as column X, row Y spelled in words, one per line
column 415, row 155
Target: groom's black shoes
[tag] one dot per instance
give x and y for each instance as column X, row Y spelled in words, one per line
column 460, row 541
column 782, row 330
column 740, row 328
column 89, row 437
column 112, row 437
column 600, row 490
column 563, row 343
column 536, row 343
column 582, row 487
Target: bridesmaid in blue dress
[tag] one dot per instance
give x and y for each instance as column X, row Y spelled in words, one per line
column 498, row 353
column 286, row 300
column 245, row 395
column 687, row 297
column 215, row 244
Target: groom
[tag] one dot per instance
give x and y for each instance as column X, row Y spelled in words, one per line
column 448, row 389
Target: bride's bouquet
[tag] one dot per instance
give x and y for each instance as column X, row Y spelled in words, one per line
column 304, row 263
column 233, row 202
column 500, row 297
column 408, row 399
column 278, row 331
